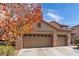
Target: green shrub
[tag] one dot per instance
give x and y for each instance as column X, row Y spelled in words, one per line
column 7, row 50
column 76, row 41
column 77, row 45
column 2, row 52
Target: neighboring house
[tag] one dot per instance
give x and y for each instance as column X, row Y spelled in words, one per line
column 45, row 34
column 74, row 34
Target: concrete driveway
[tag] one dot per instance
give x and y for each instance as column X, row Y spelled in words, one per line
column 50, row 51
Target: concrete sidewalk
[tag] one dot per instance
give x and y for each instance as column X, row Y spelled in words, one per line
column 50, row 51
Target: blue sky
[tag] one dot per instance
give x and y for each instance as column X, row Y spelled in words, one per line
column 64, row 13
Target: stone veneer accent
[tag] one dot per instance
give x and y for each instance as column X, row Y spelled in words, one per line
column 18, row 43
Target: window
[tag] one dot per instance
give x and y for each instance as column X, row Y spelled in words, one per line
column 61, row 35
column 34, row 35
column 39, row 25
column 45, row 35
column 30, row 34
column 38, row 35
column 42, row 35
column 49, row 35
column 25, row 35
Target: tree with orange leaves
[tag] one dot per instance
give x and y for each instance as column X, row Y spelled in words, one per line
column 17, row 19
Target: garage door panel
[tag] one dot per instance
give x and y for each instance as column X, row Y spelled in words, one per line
column 36, row 41
column 62, row 40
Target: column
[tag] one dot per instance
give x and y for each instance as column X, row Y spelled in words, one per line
column 18, row 43
column 69, row 39
column 55, row 39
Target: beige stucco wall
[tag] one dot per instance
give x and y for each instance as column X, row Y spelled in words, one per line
column 62, row 32
column 54, row 24
column 44, row 27
column 75, row 30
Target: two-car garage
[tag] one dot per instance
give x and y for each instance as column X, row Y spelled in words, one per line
column 37, row 40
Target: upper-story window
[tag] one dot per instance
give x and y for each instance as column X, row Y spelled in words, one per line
column 39, row 25
column 64, row 27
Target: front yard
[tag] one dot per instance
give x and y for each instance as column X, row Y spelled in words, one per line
column 47, row 51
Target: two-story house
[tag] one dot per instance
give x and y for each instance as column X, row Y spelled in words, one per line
column 45, row 34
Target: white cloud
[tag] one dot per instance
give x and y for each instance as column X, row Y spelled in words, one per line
column 49, row 10
column 52, row 11
column 73, row 23
column 54, row 16
column 51, row 15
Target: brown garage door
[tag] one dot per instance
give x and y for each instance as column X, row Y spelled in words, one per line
column 36, row 40
column 62, row 40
